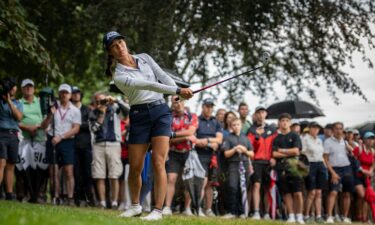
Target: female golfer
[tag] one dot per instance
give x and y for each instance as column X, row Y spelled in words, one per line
column 144, row 83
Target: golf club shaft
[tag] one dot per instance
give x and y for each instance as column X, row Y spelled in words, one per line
column 222, row 81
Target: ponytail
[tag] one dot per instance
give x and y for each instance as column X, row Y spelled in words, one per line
column 108, row 71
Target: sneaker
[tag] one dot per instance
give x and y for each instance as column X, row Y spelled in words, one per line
column 188, row 212
column 70, row 202
column 319, row 220
column 337, row 219
column 300, row 221
column 291, row 220
column 102, row 205
column 10, row 197
column 114, row 205
column 200, row 213
column 266, row 216
column 228, row 216
column 210, row 213
column 134, row 210
column 122, row 206
column 243, row 216
column 256, row 216
column 346, row 220
column 154, row 215
column 309, row 219
column 167, row 211
column 330, row 220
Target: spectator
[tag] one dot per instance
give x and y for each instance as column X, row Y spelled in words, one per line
column 184, row 126
column 237, row 147
column 10, row 114
column 327, row 132
column 124, row 195
column 105, row 124
column 357, row 137
column 261, row 135
column 296, row 127
column 83, row 153
column 312, row 147
column 243, row 110
column 66, row 120
column 209, row 134
column 349, row 138
column 286, row 147
column 365, row 154
column 34, row 138
column 220, row 116
column 228, row 117
column 341, row 174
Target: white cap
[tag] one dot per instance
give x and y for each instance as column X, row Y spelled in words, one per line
column 65, row 87
column 27, row 82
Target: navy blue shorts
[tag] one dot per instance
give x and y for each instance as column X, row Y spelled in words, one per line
column 64, row 152
column 9, row 146
column 346, row 182
column 149, row 121
column 318, row 176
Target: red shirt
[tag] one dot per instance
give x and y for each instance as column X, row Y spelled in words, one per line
column 183, row 123
column 366, row 159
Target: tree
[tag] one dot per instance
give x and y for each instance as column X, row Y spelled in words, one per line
column 310, row 41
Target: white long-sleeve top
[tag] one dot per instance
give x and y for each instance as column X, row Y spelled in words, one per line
column 146, row 83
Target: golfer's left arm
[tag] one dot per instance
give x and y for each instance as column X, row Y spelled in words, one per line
column 159, row 73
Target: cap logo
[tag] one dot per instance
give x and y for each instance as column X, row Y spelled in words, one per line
column 111, row 34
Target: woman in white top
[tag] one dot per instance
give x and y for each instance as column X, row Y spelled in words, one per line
column 143, row 82
column 312, row 147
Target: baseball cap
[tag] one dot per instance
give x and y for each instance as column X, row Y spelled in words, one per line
column 208, row 101
column 314, row 124
column 65, row 87
column 27, row 82
column 349, row 130
column 355, row 131
column 76, row 89
column 260, row 108
column 328, row 126
column 109, row 37
column 369, row 134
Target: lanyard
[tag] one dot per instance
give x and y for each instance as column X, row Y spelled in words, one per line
column 63, row 115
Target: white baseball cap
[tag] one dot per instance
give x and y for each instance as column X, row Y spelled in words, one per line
column 65, row 87
column 27, row 82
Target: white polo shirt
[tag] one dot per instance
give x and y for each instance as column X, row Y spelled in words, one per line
column 65, row 118
column 336, row 150
column 312, row 148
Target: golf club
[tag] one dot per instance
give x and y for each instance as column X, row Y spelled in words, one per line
column 264, row 59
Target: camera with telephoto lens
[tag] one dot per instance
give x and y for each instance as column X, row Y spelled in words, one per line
column 103, row 101
column 6, row 86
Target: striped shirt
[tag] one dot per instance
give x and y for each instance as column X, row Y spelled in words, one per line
column 146, row 83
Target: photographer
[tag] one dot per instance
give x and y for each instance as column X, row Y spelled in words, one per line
column 105, row 124
column 10, row 114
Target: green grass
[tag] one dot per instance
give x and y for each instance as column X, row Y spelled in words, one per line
column 15, row 213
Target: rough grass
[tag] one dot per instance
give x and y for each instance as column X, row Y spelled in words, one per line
column 15, row 213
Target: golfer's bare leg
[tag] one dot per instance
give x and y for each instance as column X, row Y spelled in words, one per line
column 160, row 148
column 137, row 153
column 172, row 177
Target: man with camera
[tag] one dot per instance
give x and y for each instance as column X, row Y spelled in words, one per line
column 105, row 124
column 10, row 114
column 66, row 121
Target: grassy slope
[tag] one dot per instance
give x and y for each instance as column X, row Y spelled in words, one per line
column 14, row 213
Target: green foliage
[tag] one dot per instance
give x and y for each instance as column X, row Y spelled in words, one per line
column 310, row 41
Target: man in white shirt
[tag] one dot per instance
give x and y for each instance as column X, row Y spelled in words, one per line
column 66, row 120
column 341, row 174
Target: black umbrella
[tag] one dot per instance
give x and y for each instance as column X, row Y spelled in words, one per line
column 369, row 126
column 297, row 109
